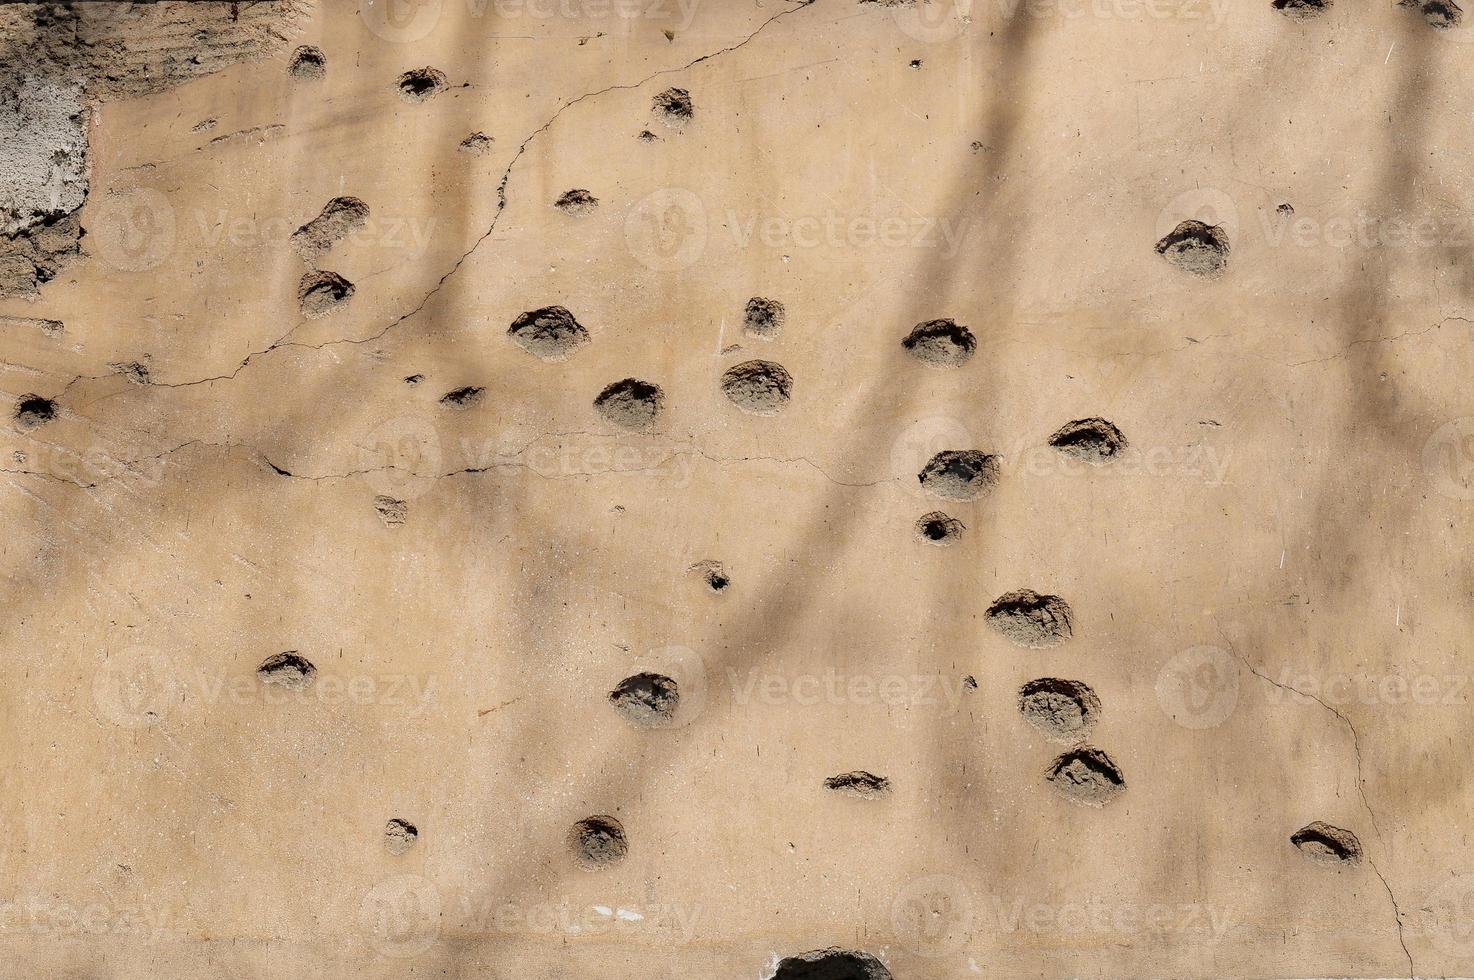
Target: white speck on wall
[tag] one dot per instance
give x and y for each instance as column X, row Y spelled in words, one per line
column 629, row 916
column 603, row 910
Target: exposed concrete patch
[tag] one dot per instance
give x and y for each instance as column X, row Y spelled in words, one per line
column 43, row 151
column 57, row 61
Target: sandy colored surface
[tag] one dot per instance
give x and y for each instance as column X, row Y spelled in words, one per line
column 318, row 580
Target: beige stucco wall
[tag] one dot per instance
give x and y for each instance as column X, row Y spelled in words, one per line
column 1268, row 587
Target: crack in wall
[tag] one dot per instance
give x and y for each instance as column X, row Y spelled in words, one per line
column 502, row 186
column 60, row 61
column 1360, row 784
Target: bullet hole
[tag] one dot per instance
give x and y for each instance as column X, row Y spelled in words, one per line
column 321, row 292
column 916, row 64
column 859, row 783
column 1439, row 14
column 392, row 512
column 1301, row 9
column 598, row 842
column 287, row 669
column 713, row 574
column 1028, row 619
column 939, row 529
column 763, row 318
column 646, row 136
column 421, row 84
column 340, row 217
column 940, row 343
column 1196, row 248
column 674, row 107
column 205, row 125
column 1442, row 15
column 1086, row 775
column 477, row 144
column 1064, row 711
column 308, row 61
column 959, row 474
column 134, row 371
column 414, row 379
column 970, row 682
column 577, row 202
column 646, row 700
column 400, row 836
column 1322, row 842
column 1286, row 210
column 463, row 397
column 34, row 410
column 631, row 404
column 1093, row 440
column 550, row 333
column 758, row 387
column 831, row 964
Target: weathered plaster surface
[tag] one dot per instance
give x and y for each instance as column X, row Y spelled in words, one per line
column 328, row 446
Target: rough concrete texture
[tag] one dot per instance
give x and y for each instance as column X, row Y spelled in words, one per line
column 59, row 60
column 376, row 644
column 43, row 151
